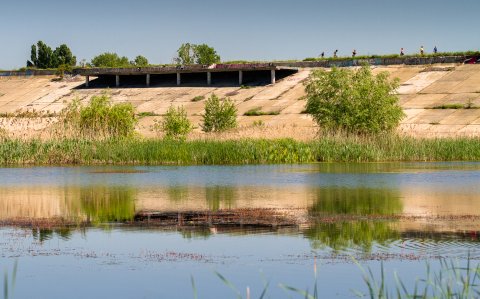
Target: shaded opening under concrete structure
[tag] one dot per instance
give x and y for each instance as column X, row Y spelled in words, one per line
column 220, row 76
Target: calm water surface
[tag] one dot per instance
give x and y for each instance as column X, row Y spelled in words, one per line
column 405, row 214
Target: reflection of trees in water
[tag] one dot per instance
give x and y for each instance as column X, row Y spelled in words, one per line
column 341, row 233
column 178, row 193
column 43, row 234
column 218, row 195
column 107, row 204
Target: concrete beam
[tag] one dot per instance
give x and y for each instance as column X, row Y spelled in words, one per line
column 240, row 78
column 273, row 76
column 179, row 79
column 117, row 80
column 148, row 80
column 87, row 81
column 209, row 78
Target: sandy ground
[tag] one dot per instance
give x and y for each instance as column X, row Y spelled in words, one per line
column 422, row 88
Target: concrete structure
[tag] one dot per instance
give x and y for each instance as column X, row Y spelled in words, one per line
column 179, row 70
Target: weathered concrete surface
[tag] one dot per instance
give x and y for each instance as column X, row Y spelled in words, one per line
column 422, row 88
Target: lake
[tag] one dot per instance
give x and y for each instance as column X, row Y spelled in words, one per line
column 148, row 232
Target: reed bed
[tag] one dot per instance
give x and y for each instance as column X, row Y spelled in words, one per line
column 246, row 151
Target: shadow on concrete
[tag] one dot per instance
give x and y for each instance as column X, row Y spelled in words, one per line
column 219, row 79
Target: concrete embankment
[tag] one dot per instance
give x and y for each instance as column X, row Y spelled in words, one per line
column 424, row 89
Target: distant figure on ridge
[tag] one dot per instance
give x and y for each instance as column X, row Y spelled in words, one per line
column 401, row 52
column 422, row 50
column 435, row 50
column 322, row 55
column 354, row 53
column 335, row 53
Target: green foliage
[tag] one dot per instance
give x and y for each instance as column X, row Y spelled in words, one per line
column 355, row 101
column 110, row 60
column 220, row 115
column 198, row 98
column 258, row 112
column 186, row 54
column 101, row 119
column 201, row 54
column 42, row 56
column 140, row 61
column 63, row 56
column 206, row 55
column 176, row 125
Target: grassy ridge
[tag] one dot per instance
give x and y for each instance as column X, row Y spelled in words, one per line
column 247, row 151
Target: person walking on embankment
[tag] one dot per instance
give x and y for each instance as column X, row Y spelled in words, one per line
column 422, row 51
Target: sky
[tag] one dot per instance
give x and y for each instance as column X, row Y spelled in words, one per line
column 238, row 30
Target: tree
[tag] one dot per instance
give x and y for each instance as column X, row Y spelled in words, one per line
column 205, row 54
column 355, row 101
column 33, row 56
column 220, row 115
column 201, row 54
column 186, row 54
column 176, row 125
column 44, row 56
column 63, row 56
column 110, row 60
column 140, row 61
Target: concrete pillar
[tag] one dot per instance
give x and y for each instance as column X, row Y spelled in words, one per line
column 148, row 80
column 179, row 79
column 87, row 81
column 117, row 80
column 209, row 78
column 240, row 78
column 273, row 76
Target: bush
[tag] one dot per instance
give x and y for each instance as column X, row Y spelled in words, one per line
column 102, row 119
column 355, row 101
column 220, row 115
column 176, row 125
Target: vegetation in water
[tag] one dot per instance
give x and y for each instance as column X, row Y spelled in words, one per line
column 354, row 101
column 220, row 114
column 245, row 151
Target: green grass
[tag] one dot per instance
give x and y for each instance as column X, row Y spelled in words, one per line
column 258, row 112
column 198, row 98
column 246, row 151
column 147, row 113
column 416, row 55
column 456, row 106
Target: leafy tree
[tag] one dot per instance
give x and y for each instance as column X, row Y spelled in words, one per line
column 110, row 60
column 186, row 54
column 220, row 115
column 63, row 56
column 176, row 125
column 201, row 54
column 205, row 54
column 140, row 61
column 355, row 101
column 33, row 56
column 42, row 56
column 45, row 58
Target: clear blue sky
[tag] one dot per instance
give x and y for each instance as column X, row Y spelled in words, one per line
column 241, row 29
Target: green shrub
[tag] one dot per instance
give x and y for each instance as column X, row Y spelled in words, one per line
column 176, row 125
column 220, row 115
column 355, row 101
column 102, row 119
column 198, row 98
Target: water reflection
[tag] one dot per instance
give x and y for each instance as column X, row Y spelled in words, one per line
column 108, row 204
column 220, row 197
column 342, row 233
